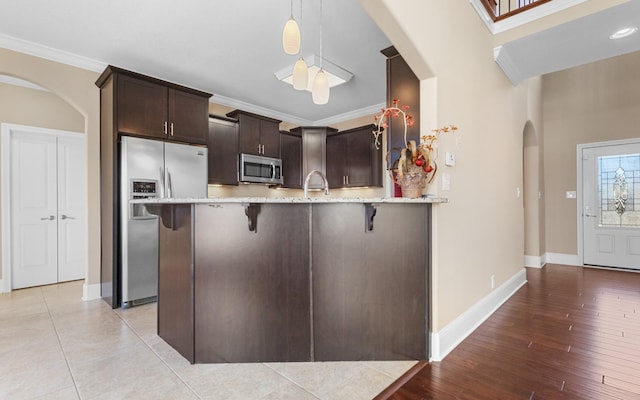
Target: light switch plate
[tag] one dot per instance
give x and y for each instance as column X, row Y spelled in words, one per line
column 449, row 159
column 446, row 182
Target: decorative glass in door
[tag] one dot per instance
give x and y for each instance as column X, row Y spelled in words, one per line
column 619, row 190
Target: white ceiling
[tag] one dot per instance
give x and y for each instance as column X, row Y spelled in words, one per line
column 233, row 48
column 575, row 43
column 229, row 48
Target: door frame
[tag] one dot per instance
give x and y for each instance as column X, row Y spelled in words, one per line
column 580, row 189
column 5, row 144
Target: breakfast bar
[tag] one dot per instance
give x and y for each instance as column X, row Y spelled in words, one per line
column 294, row 279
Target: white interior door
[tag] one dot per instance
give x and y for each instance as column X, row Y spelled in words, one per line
column 71, row 208
column 47, row 206
column 33, row 209
column 611, row 205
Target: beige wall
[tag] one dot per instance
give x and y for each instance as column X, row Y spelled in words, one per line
column 76, row 87
column 23, row 106
column 480, row 232
column 591, row 103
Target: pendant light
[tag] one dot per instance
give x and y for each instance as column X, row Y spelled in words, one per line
column 300, row 75
column 300, row 69
column 291, row 35
column 320, row 90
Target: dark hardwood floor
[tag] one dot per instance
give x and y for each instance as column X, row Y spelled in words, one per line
column 569, row 333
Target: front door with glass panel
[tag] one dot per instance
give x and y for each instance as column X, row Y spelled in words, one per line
column 611, row 205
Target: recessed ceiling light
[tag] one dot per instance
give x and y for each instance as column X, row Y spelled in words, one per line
column 622, row 33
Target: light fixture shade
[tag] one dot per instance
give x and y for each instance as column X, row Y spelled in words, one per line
column 300, row 75
column 320, row 91
column 291, row 37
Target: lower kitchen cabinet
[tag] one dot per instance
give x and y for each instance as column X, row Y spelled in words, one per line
column 251, row 288
column 369, row 287
column 277, row 282
column 353, row 160
column 223, row 151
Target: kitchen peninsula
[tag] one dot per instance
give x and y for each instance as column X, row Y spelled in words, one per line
column 294, row 279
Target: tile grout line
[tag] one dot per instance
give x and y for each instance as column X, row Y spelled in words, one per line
column 292, row 381
column 64, row 354
column 158, row 356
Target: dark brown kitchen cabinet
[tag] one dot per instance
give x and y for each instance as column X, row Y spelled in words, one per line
column 291, row 154
column 353, row 160
column 404, row 85
column 153, row 108
column 137, row 105
column 222, row 142
column 257, row 135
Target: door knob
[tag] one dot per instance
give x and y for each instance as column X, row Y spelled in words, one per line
column 50, row 218
column 66, row 217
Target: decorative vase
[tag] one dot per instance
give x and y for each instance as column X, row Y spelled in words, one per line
column 412, row 182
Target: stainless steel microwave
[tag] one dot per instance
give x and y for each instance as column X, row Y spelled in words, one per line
column 259, row 169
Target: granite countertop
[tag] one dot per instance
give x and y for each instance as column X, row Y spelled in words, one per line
column 311, row 200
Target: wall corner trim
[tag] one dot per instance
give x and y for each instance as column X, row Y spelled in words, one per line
column 443, row 342
column 534, row 261
column 90, row 292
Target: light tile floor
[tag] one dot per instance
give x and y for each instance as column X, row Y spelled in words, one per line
column 53, row 345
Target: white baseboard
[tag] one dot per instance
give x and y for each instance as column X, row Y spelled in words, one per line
column 453, row 334
column 90, row 292
column 534, row 261
column 559, row 258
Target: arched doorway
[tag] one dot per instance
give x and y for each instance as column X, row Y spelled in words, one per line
column 27, row 106
column 533, row 204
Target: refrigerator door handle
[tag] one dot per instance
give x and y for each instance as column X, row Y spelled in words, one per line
column 162, row 191
column 169, row 186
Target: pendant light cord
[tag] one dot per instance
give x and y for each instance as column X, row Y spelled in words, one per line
column 321, row 61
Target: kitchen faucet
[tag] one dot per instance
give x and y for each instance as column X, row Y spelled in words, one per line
column 324, row 180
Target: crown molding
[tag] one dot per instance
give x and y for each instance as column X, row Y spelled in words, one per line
column 505, row 62
column 49, row 53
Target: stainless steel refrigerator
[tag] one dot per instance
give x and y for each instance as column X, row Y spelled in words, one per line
column 151, row 168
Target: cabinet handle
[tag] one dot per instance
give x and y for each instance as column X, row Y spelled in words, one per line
column 259, row 148
column 66, row 217
column 171, row 130
column 49, row 218
column 262, row 149
column 347, row 180
column 344, row 181
column 165, row 127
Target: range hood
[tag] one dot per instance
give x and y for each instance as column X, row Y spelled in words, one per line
column 314, row 152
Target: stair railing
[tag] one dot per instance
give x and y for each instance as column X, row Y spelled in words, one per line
column 501, row 9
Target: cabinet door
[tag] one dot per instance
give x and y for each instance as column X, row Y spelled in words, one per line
column 222, row 142
column 142, row 107
column 188, row 117
column 249, row 134
column 359, row 158
column 291, row 153
column 336, row 160
column 270, row 138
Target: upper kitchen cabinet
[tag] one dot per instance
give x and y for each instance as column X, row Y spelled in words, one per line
column 257, row 135
column 353, row 160
column 222, row 142
column 149, row 107
column 291, row 153
column 404, row 85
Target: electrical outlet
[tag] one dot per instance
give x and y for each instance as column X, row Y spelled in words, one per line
column 493, row 281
